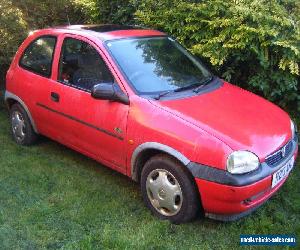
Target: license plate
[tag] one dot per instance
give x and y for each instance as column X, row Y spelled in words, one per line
column 283, row 172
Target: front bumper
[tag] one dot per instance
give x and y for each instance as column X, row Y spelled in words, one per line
column 229, row 197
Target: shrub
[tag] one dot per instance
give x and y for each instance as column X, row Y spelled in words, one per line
column 252, row 43
column 17, row 18
column 12, row 30
column 114, row 11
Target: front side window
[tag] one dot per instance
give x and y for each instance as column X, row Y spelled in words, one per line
column 157, row 64
column 81, row 65
column 38, row 56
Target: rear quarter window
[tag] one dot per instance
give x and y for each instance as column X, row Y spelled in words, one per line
column 38, row 56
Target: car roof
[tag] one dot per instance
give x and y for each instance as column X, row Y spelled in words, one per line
column 108, row 31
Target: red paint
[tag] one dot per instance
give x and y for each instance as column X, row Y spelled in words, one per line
column 232, row 199
column 223, row 199
column 244, row 121
column 205, row 128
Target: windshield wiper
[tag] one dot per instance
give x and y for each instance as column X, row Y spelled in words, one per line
column 186, row 87
column 203, row 83
column 163, row 93
column 199, row 86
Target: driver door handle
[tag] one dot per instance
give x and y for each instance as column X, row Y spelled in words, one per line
column 54, row 97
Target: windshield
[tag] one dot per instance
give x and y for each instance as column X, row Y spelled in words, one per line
column 157, row 64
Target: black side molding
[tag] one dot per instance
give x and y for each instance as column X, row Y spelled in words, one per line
column 80, row 121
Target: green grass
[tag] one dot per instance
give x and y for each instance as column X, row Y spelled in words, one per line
column 52, row 197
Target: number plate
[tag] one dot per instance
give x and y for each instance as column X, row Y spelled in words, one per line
column 283, row 172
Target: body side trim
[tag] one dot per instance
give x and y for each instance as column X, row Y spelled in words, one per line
column 9, row 95
column 80, row 121
column 157, row 146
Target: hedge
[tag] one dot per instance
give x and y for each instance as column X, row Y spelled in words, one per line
column 254, row 44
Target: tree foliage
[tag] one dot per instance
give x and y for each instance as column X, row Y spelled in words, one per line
column 251, row 43
column 12, row 30
column 116, row 11
column 17, row 18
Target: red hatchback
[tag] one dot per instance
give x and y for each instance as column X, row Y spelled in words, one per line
column 137, row 101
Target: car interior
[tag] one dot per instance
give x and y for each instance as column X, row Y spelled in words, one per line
column 81, row 66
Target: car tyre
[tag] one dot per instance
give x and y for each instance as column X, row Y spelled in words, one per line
column 21, row 127
column 168, row 190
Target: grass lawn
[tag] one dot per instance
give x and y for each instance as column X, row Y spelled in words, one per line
column 52, row 197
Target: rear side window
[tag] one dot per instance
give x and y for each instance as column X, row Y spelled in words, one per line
column 38, row 56
column 81, row 66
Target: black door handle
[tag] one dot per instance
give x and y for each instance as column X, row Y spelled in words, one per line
column 54, row 97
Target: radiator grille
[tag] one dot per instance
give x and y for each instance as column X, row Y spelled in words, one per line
column 279, row 155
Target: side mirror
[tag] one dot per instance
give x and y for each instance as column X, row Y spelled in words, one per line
column 109, row 91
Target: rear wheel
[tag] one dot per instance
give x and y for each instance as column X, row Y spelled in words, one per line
column 21, row 127
column 169, row 190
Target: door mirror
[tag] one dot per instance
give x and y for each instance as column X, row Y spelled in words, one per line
column 109, row 91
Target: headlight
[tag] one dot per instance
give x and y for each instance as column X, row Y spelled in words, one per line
column 240, row 162
column 293, row 129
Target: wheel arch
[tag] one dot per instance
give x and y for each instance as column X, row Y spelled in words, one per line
column 11, row 99
column 147, row 150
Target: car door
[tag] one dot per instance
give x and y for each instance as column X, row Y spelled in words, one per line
column 94, row 127
column 35, row 73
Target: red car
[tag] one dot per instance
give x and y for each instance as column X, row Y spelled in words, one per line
column 138, row 102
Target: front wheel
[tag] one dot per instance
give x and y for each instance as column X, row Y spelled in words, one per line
column 168, row 190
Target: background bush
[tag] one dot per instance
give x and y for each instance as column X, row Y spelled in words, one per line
column 114, row 11
column 253, row 43
column 17, row 18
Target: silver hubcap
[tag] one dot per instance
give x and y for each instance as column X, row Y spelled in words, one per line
column 18, row 126
column 164, row 192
